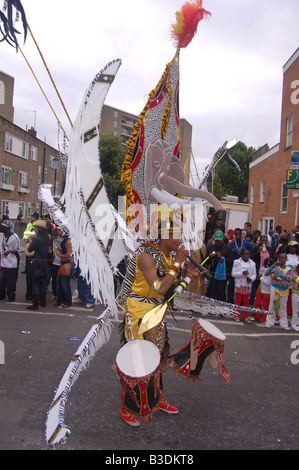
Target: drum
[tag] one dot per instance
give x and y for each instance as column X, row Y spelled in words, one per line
column 137, row 365
column 205, row 339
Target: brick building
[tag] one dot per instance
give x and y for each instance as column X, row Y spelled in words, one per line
column 25, row 161
column 272, row 202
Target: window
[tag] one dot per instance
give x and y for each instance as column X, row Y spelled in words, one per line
column 114, row 124
column 5, row 206
column 262, row 191
column 54, row 162
column 115, row 114
column 56, row 189
column 8, row 142
column 25, row 150
column 28, row 210
column 284, row 198
column 289, row 136
column 252, row 194
column 23, row 179
column 33, row 153
column 18, row 147
column 2, row 93
column 39, row 174
column 6, row 175
column 45, row 176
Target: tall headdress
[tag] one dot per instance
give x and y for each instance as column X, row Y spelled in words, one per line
column 152, row 171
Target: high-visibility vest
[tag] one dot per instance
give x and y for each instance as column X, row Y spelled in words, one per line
column 29, row 230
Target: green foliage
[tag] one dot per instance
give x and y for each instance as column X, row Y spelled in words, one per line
column 216, row 187
column 233, row 181
column 112, row 155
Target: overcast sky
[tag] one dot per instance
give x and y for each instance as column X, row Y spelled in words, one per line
column 231, row 73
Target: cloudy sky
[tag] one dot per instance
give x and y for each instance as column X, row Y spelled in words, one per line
column 231, row 73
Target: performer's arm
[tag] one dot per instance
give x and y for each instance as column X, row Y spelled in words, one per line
column 146, row 264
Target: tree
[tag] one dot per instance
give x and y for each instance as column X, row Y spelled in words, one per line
column 216, row 187
column 112, row 155
column 233, row 181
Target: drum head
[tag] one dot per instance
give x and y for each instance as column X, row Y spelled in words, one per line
column 138, row 358
column 212, row 329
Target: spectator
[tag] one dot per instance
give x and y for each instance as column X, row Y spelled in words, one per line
column 10, row 258
column 293, row 231
column 282, row 246
column 237, row 245
column 85, row 296
column 244, row 273
column 295, row 301
column 271, row 231
column 20, row 220
column 275, row 238
column 212, row 227
column 256, row 236
column 38, row 249
column 292, row 261
column 249, row 234
column 197, row 286
column 230, row 235
column 220, row 254
column 282, row 278
column 64, row 293
column 6, row 215
column 258, row 254
column 262, row 298
column 55, row 245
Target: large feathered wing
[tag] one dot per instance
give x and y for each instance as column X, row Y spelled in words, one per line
column 98, row 244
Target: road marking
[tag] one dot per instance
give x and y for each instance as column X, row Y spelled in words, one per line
column 219, row 322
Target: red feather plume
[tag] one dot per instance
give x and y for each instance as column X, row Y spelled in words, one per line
column 187, row 19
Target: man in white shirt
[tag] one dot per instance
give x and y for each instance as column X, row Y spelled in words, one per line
column 10, row 257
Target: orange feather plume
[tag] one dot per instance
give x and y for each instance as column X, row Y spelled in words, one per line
column 187, row 19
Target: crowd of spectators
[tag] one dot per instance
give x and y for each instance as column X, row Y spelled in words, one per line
column 249, row 268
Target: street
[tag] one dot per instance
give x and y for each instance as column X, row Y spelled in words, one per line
column 258, row 409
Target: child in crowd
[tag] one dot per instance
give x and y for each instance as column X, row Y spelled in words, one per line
column 262, row 298
column 244, row 273
column 282, row 278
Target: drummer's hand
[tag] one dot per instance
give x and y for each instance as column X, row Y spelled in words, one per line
column 181, row 254
column 194, row 273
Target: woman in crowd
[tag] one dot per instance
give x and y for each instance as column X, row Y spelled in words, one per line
column 64, row 293
column 56, row 240
column 38, row 249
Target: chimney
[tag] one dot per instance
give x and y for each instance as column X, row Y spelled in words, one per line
column 32, row 131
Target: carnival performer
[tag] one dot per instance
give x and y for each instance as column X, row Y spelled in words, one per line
column 244, row 273
column 282, row 279
column 149, row 281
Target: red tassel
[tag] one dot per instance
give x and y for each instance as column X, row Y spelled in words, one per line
column 185, row 28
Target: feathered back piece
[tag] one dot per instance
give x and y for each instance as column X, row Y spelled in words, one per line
column 185, row 28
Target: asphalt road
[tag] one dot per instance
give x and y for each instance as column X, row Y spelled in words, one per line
column 258, row 409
